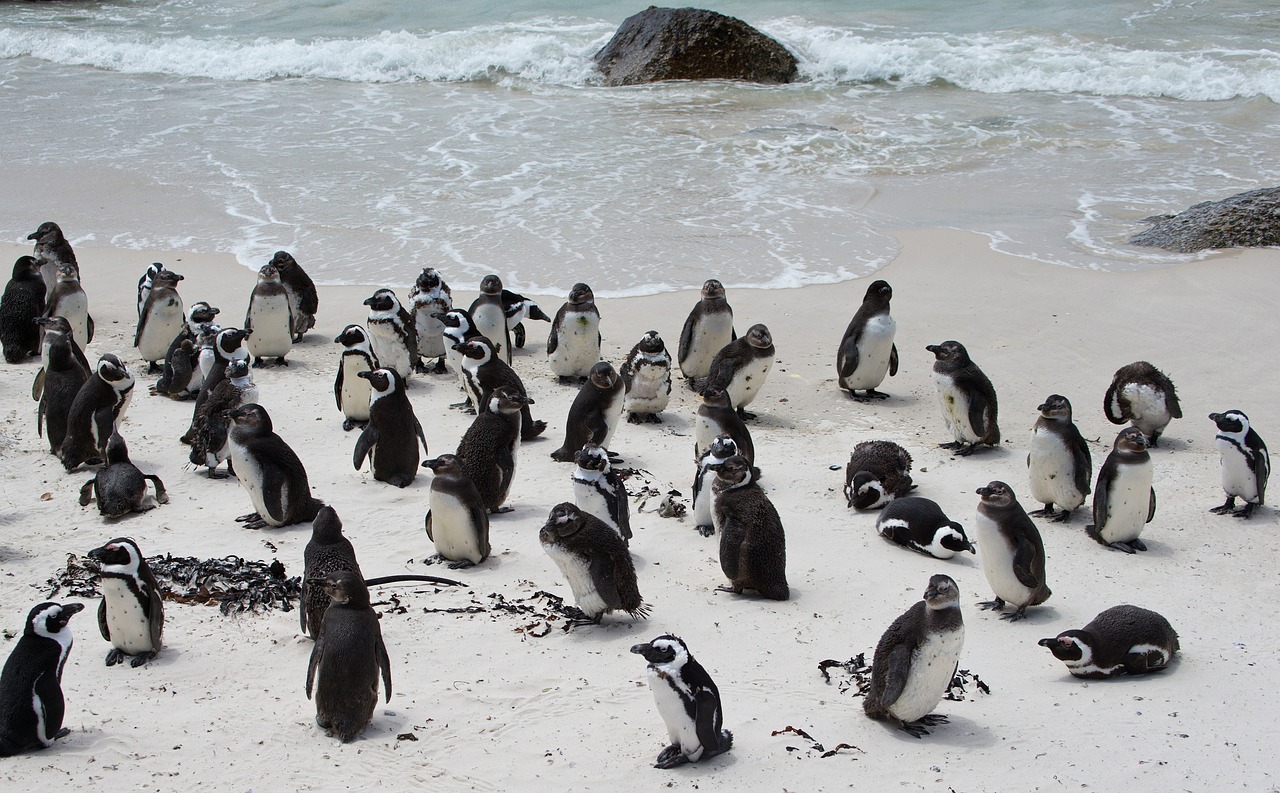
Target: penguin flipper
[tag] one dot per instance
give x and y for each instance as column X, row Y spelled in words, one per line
column 1171, row 401
column 417, row 427
column 427, row 524
column 893, row 360
column 686, row 338
column 1023, row 562
column 849, row 355
column 897, row 672
column 89, row 317
column 621, row 507
column 1151, row 513
column 155, row 618
column 142, row 324
column 1117, row 412
column 1082, row 462
column 384, row 663
column 49, row 705
column 37, row 385
column 337, row 387
column 979, row 403
column 102, row 620
column 317, row 655
column 273, row 494
column 367, row 440
column 303, row 596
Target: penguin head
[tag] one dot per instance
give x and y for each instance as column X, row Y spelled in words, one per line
column 344, row 588
column 383, row 381
column 251, row 418
column 758, row 336
column 238, row 369
column 54, row 325
column 48, row 232
column 457, row 318
column 67, row 274
column 428, row 279
column 1072, row 647
column 229, row 339
column 592, row 457
column 950, row 352
column 114, row 370
column 491, row 285
column 477, row 349
column 121, row 555
column 268, row 273
column 953, row 538
column 382, row 300
column 117, row 451
column 666, row 650
column 505, row 399
column 712, row 290
column 724, row 446
column 200, row 313
column 1056, row 407
column 716, row 397
column 166, row 278
column 209, row 334
column 603, row 376
column 997, row 494
column 1232, row 422
column 879, row 291
column 651, row 342
column 282, row 261
column 565, row 520
column 352, row 336
column 1131, row 441
column 326, row 529
column 866, row 491
column 942, row 593
column 48, row 619
column 581, row 294
column 444, row 464
column 734, row 472
column 25, row 268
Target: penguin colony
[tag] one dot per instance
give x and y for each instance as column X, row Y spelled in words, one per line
column 914, row 659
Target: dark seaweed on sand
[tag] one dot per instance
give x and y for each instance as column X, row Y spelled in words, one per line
column 814, row 746
column 856, row 677
column 957, row 690
column 544, row 608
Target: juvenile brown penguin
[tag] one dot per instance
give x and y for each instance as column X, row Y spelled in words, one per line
column 52, row 250
column 753, row 545
column 708, row 328
column 574, row 344
column 21, row 305
column 182, row 377
column 347, row 658
column 1123, row 499
column 226, row 346
column 1143, row 395
column 715, row 417
column 967, row 398
column 161, row 320
column 1010, row 551
column 269, row 471
column 595, row 413
column 867, row 352
column 303, row 299
column 457, row 521
column 210, row 446
column 68, row 299
column 1123, row 640
column 270, row 318
column 328, row 551
column 120, row 488
column 430, row 296
column 488, row 447
column 1059, row 464
column 596, row 563
column 741, row 367
column 96, row 412
column 490, row 316
column 877, row 473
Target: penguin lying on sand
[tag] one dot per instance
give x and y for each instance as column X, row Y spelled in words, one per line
column 877, row 473
column 921, row 525
column 120, row 488
column 1121, row 640
column 688, row 701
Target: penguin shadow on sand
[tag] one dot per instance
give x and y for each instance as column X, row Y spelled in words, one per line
column 959, row 731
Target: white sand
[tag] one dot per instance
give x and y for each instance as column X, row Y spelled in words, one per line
column 495, row 708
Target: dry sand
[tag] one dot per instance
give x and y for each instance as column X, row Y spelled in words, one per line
column 494, row 707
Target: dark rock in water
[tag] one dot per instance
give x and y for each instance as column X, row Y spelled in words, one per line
column 1246, row 220
column 692, row 44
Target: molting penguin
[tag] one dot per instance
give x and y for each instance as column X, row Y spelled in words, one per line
column 483, row 371
column 741, row 367
column 1059, row 464
column 921, row 525
column 328, row 551
column 1123, row 499
column 967, row 398
column 69, row 300
column 146, row 282
column 430, row 296
column 390, row 439
column 120, row 488
column 350, row 390
column 96, row 412
column 52, row 249
column 867, row 351
column 303, row 300
column 720, row 450
column 1010, row 551
column 1143, row 395
column 270, row 317
column 877, row 473
column 599, row 489
column 211, row 446
column 715, row 417
column 31, row 703
column 595, row 413
column 60, row 381
column 182, row 377
column 347, row 658
column 1123, row 640
column 131, row 615
column 21, row 305
column 393, row 333
column 161, row 319
column 488, row 447
column 596, row 563
column 688, row 701
column 490, row 317
column 753, row 545
column 1246, row 465
column 227, row 346
column 457, row 521
column 574, row 344
column 916, row 659
column 707, row 329
column 269, row 471
column 518, row 308
column 646, row 375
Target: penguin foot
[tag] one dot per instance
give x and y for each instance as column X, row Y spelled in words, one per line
column 991, row 605
column 297, row 337
column 736, row 590
column 1227, row 506
column 951, row 445
column 965, row 451
column 281, row 361
column 349, row 424
column 1154, row 440
column 439, row 368
column 152, row 368
column 653, row 418
column 914, row 729
column 634, row 418
column 745, row 416
column 933, row 720
column 258, row 363
column 214, row 473
column 1063, row 516
column 1047, row 512
column 1137, row 545
column 871, row 393
column 141, row 659
column 115, row 656
column 531, row 431
column 1244, row 512
column 517, row 335
column 707, row 530
column 62, row 733
column 671, row 757
column 249, row 517
column 461, row 564
column 501, row 510
column 579, row 619
column 1123, row 546
column 421, row 368
column 1015, row 616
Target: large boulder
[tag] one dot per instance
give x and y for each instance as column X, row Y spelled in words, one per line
column 692, row 44
column 1246, row 220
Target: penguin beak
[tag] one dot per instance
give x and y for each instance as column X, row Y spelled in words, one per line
column 364, row 375
column 933, row 348
column 641, row 649
column 338, row 340
column 984, row 491
column 458, row 347
column 368, row 302
column 968, row 546
column 33, row 235
column 432, row 463
column 69, row 610
column 438, row 315
column 1048, row 642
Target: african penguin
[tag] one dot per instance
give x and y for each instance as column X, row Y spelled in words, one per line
column 1059, row 464
column 707, row 329
column 31, row 702
column 867, row 352
column 21, row 305
column 145, row 283
column 457, row 521
column 328, row 551
column 1245, row 463
column 457, row 328
column 227, row 346
column 596, row 563
column 490, row 317
column 483, row 371
column 921, row 525
column 269, row 471
column 161, row 320
column 62, row 377
column 753, row 545
column 52, row 250
column 131, row 614
column 270, row 317
column 687, row 700
column 211, row 446
column 429, row 296
column 393, row 333
column 595, row 413
column 721, row 449
column 182, row 378
column 877, row 473
column 303, row 300
column 599, row 489
column 715, row 417
column 646, row 378
column 350, row 391
column 741, row 366
column 96, row 412
column 1123, row 640
column 518, row 308
column 488, row 448
column 120, row 488
column 1010, row 551
column 1123, row 499
column 390, row 439
column 967, row 398
column 574, row 344
column 1144, row 396
column 69, row 300
column 347, row 658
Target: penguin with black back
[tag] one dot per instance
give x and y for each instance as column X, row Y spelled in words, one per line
column 161, row 320
column 573, row 346
column 145, row 283
column 753, row 545
column 31, row 703
column 877, row 473
column 347, row 658
column 68, row 299
column 131, row 614
column 429, row 296
column 120, row 488
column 706, row 331
column 228, row 345
column 457, row 328
column 1123, row 499
column 687, row 700
column 328, row 551
column 390, row 439
column 457, row 521
column 490, row 317
column 180, row 380
column 96, row 412
column 1010, row 551
column 921, row 525
column 598, row 488
column 269, row 471
column 303, row 299
column 741, row 366
column 595, row 413
column 1144, row 396
column 52, row 249
column 518, row 308
column 210, row 447
column 61, row 379
column 867, row 352
column 351, row 391
column 1246, row 465
column 1059, row 465
column 488, row 448
column 393, row 333
column 719, row 451
column 484, row 371
column 596, row 563
column 270, row 317
column 715, row 417
column 967, row 398
column 1123, row 640
column 21, row 305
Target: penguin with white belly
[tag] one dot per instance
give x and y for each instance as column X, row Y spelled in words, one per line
column 646, row 378
column 707, row 329
column 1124, row 500
column 1010, row 551
column 429, row 296
column 741, row 366
column 1145, row 396
column 457, row 521
column 350, row 390
column 270, row 317
column 161, row 320
column 393, row 332
column 1246, row 465
column 688, row 701
column 1059, row 464
column 967, row 398
column 574, row 344
column 69, row 300
column 131, row 615
column 490, row 317
column 867, row 352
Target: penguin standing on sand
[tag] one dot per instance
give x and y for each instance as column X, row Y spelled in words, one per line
column 574, row 344
column 328, row 551
column 457, row 521
column 518, row 308
column 96, row 412
column 707, row 329
column 483, row 371
column 390, row 439
column 211, row 446
column 921, row 525
column 490, row 316
column 1059, row 464
column 488, row 448
column 967, row 398
column 21, row 305
column 867, row 351
column 741, row 367
column 69, row 300
column 347, row 658
column 52, row 250
column 1246, row 466
column 596, row 563
column 688, row 701
column 31, row 703
column 1123, row 640
column 303, row 299
column 916, row 659
column 350, row 390
column 146, row 282
column 61, row 380
column 753, row 545
column 429, row 296
column 269, row 471
column 1010, row 551
column 457, row 328
column 718, row 452
column 1124, row 500
column 646, row 378
column 161, row 319
column 182, row 377
column 393, row 333
column 131, row 615
column 270, row 317
column 595, row 413
column 877, row 473
column 599, row 490
column 715, row 417
column 120, row 488
column 228, row 345
column 1144, row 396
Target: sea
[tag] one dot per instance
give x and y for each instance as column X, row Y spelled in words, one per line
column 373, row 138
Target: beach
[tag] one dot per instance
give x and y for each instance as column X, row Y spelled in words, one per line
column 488, row 698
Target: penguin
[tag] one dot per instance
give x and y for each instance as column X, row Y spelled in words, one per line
column 753, row 545
column 350, row 391
column 270, row 317
column 269, row 471
column 867, row 351
column 21, row 305
column 182, row 377
column 920, row 524
column 60, row 381
column 599, row 490
column 69, row 300
column 120, row 488
column 457, row 521
column 1144, row 396
column 430, row 296
column 390, row 439
column 687, row 700
column 715, row 417
column 916, row 659
column 457, row 328
column 490, row 316
column 646, row 378
column 967, row 398
column 595, row 413
column 227, row 346
column 483, row 371
column 161, row 319
column 1059, row 464
column 707, row 330
column 574, row 344
column 210, row 446
column 96, row 412
column 52, row 249
column 741, row 366
column 303, row 300
column 393, row 333
column 518, row 308
column 1123, row 499
column 721, row 449
column 1123, row 640
column 1245, row 463
column 347, row 658
column 877, row 473
column 131, row 614
column 488, row 448
column 328, row 551
column 145, row 283
column 31, row 702
column 596, row 563
column 1010, row 551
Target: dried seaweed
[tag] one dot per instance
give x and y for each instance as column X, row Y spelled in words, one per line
column 956, row 690
column 814, row 745
column 857, row 674
column 544, row 608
